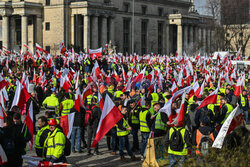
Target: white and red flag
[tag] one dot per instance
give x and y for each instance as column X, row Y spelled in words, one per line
column 2, row 115
column 239, row 87
column 238, row 54
column 66, row 122
column 202, row 89
column 197, row 89
column 110, row 116
column 62, row 47
column 124, row 75
column 38, row 47
column 78, row 100
column 210, row 99
column 141, row 102
column 180, row 117
column 95, row 53
column 96, row 72
column 87, row 91
column 21, row 96
column 101, row 101
column 174, row 88
column 3, row 157
column 29, row 122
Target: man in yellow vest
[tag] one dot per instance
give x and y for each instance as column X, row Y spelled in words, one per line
column 244, row 104
column 66, row 105
column 160, row 121
column 53, row 150
column 177, row 141
column 123, row 130
column 51, row 103
column 225, row 111
column 41, row 135
column 145, row 125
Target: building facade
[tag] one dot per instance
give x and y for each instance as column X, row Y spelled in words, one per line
column 141, row 26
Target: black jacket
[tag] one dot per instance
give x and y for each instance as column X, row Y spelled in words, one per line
column 79, row 116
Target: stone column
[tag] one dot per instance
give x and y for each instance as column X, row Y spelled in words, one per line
column 167, row 39
column 112, row 30
column 185, row 37
column 191, row 36
column 208, row 40
column 179, row 39
column 204, row 40
column 72, row 20
column 39, row 32
column 94, row 29
column 24, row 31
column 104, row 31
column 196, row 38
column 86, row 32
column 199, row 34
column 5, row 31
column 12, row 34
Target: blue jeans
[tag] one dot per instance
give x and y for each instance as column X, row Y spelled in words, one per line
column 134, row 132
column 76, row 135
column 246, row 116
column 144, row 136
column 174, row 159
column 124, row 142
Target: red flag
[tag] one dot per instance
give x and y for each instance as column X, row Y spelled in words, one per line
column 196, row 89
column 2, row 115
column 95, row 52
column 211, row 99
column 62, row 48
column 21, row 96
column 101, row 101
column 78, row 100
column 174, row 88
column 110, row 116
column 96, row 72
column 66, row 122
column 29, row 122
column 124, row 75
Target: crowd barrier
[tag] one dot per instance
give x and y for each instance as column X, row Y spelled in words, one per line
column 156, row 153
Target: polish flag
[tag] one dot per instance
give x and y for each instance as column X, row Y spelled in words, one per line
column 174, row 88
column 96, row 52
column 196, row 88
column 239, row 87
column 29, row 122
column 180, row 79
column 34, row 77
column 167, row 107
column 66, row 84
column 77, row 80
column 21, row 96
column 239, row 57
column 210, row 99
column 87, row 91
column 202, row 89
column 140, row 76
column 3, row 157
column 124, row 75
column 180, row 117
column 3, row 82
column 66, row 122
column 110, row 116
column 150, row 76
column 78, row 100
column 38, row 47
column 96, row 72
column 101, row 101
column 62, row 48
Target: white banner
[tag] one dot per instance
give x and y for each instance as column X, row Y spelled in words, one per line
column 223, row 130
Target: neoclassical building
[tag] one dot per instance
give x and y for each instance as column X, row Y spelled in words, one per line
column 141, row 26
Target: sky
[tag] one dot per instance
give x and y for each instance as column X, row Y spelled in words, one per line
column 199, row 5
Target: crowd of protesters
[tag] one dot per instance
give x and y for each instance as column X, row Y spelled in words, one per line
column 139, row 99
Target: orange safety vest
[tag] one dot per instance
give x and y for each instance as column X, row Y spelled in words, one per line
column 198, row 140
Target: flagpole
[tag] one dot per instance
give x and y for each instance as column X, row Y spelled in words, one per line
column 133, row 26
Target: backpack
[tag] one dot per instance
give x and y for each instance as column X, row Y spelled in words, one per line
column 89, row 115
column 205, row 143
column 67, row 148
column 9, row 146
column 176, row 140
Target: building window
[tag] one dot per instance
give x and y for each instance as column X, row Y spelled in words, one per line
column 228, row 35
column 126, row 27
column 160, row 11
column 47, row 48
column 126, row 7
column 160, row 37
column 47, row 3
column 143, row 36
column 47, row 26
column 18, row 31
column 241, row 34
column 175, row 11
column 144, row 10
